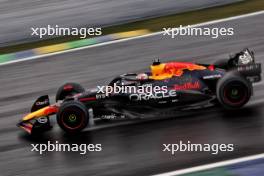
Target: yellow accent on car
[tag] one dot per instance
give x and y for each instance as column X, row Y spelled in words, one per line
column 36, row 114
column 157, row 72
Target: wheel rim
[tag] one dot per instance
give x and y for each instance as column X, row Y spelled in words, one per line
column 72, row 118
column 235, row 93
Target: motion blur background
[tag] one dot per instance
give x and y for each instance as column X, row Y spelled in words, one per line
column 128, row 149
column 17, row 17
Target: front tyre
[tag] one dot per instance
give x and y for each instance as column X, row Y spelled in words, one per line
column 73, row 117
column 233, row 91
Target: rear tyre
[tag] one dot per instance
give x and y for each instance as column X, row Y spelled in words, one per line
column 233, row 91
column 68, row 89
column 73, row 117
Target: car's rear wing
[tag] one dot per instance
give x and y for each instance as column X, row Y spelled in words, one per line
column 244, row 57
column 250, row 71
column 244, row 63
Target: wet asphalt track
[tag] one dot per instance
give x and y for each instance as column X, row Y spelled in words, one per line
column 17, row 17
column 130, row 149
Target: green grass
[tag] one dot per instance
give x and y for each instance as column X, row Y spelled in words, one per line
column 156, row 24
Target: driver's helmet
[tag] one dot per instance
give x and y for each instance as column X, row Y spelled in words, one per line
column 142, row 76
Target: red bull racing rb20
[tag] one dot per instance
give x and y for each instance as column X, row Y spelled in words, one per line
column 173, row 85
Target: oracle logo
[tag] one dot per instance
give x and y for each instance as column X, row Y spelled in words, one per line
column 39, row 103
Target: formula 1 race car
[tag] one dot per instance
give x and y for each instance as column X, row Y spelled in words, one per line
column 177, row 85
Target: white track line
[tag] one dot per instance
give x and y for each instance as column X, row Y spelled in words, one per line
column 212, row 166
column 132, row 38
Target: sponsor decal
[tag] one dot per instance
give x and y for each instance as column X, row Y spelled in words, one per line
column 42, row 120
column 145, row 96
column 101, row 96
column 187, row 86
column 248, row 67
column 39, row 103
column 112, row 116
column 212, row 76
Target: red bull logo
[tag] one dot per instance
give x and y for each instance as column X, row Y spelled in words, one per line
column 187, row 86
